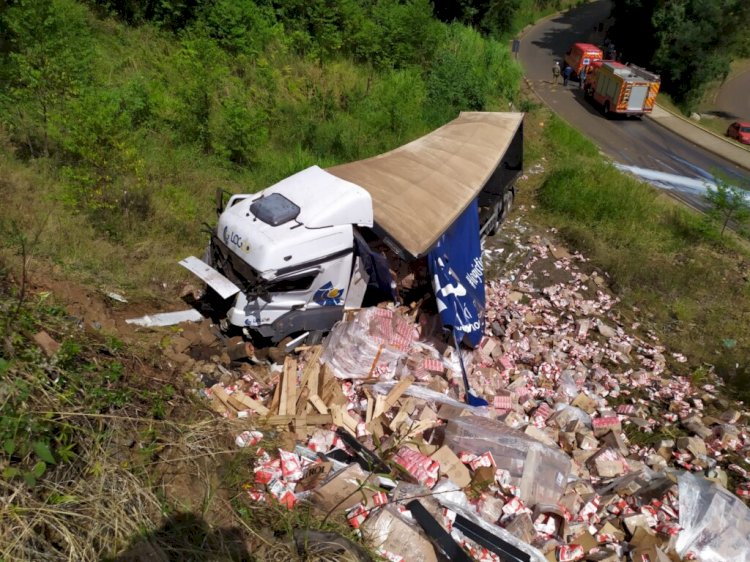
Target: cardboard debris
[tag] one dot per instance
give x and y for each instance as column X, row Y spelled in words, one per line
column 48, row 345
column 571, row 457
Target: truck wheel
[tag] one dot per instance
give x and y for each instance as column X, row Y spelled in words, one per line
column 605, row 110
column 508, row 197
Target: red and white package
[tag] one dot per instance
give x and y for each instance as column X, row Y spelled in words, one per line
column 380, row 498
column 514, row 506
column 435, row 365
column 606, row 422
column 291, row 467
column 502, row 477
column 588, row 511
column 248, row 438
column 257, row 496
column 421, row 467
column 483, row 460
column 502, row 402
column 266, row 473
column 283, row 493
column 357, row 515
column 570, row 552
column 466, row 457
column 546, row 525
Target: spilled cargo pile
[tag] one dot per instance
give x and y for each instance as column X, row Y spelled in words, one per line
column 590, row 448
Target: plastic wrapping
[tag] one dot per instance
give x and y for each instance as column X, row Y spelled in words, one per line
column 371, row 345
column 450, row 496
column 715, row 523
column 571, row 413
column 434, row 397
column 386, row 530
column 540, row 472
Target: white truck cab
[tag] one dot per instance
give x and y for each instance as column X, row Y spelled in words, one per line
column 290, row 259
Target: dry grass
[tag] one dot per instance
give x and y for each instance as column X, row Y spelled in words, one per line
column 78, row 512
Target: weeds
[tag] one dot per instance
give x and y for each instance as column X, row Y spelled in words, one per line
column 661, row 257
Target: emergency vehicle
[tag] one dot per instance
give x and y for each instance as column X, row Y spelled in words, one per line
column 621, row 89
column 582, row 55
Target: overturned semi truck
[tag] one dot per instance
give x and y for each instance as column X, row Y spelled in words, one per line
column 289, row 260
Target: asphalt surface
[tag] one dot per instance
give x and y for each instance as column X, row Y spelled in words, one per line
column 733, row 100
column 639, row 143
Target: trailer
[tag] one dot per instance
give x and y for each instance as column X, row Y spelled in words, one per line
column 620, row 89
column 289, row 260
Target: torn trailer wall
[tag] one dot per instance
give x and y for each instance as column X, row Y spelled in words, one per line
column 419, row 190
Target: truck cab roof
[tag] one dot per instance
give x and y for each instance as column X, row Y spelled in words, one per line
column 310, row 213
column 586, row 47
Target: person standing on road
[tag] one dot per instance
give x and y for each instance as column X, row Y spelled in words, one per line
column 555, row 72
column 566, row 74
column 581, row 77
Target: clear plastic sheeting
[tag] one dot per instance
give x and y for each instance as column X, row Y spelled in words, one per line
column 166, row 318
column 395, row 538
column 433, row 397
column 451, row 497
column 370, row 346
column 715, row 523
column 540, row 472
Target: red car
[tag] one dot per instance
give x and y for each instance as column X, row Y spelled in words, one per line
column 740, row 130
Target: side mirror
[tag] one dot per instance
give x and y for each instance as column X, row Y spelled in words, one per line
column 219, row 201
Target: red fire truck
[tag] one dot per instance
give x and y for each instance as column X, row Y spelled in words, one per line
column 582, row 55
column 621, row 89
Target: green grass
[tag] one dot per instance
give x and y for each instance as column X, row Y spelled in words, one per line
column 670, row 263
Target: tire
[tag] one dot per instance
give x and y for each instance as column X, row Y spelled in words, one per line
column 508, row 197
column 605, row 110
column 492, row 230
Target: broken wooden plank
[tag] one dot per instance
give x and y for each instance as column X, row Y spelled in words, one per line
column 331, row 392
column 218, row 406
column 301, row 406
column 242, row 401
column 342, row 419
column 288, row 396
column 312, row 368
column 312, row 374
column 276, row 400
column 314, row 419
column 220, row 394
column 370, row 406
column 393, row 396
column 300, row 424
column 317, row 403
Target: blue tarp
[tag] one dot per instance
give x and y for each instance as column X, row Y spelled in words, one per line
column 458, row 277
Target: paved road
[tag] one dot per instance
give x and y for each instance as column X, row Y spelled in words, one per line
column 734, row 98
column 632, row 142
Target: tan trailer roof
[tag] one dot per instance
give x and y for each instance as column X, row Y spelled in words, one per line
column 419, row 189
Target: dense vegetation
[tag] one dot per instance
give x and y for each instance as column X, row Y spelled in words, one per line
column 134, row 125
column 119, row 118
column 689, row 42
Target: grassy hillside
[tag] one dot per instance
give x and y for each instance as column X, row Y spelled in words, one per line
column 114, row 137
column 673, row 272
column 119, row 120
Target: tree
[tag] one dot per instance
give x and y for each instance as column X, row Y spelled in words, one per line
column 728, row 203
column 48, row 62
column 689, row 42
